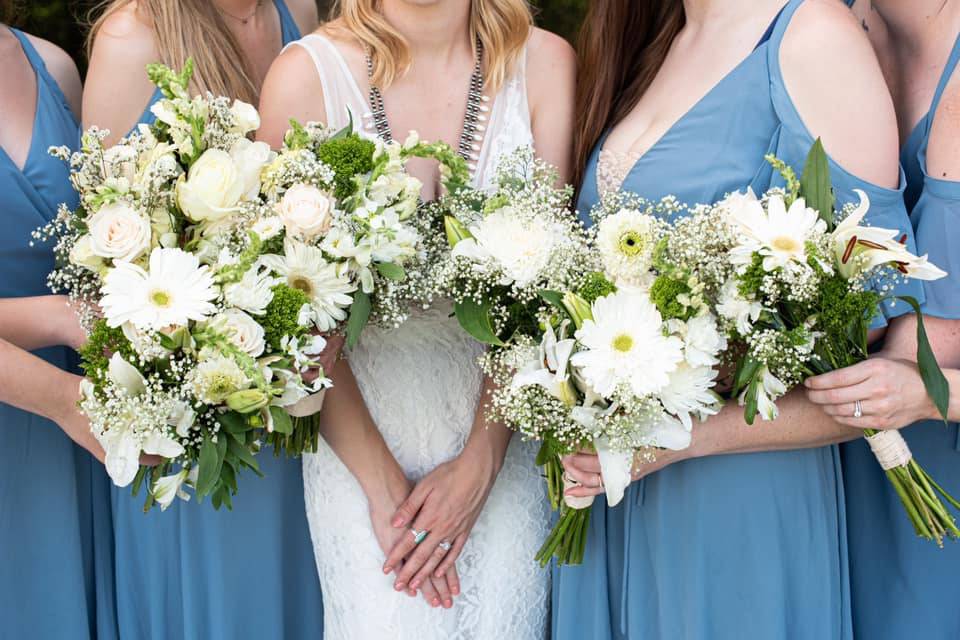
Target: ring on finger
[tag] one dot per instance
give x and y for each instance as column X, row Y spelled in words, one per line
column 857, row 409
column 446, row 546
column 571, row 480
column 418, row 536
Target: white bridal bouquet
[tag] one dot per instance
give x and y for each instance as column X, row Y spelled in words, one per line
column 622, row 363
column 796, row 285
column 208, row 268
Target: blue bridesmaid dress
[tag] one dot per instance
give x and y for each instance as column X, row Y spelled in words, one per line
column 902, row 585
column 746, row 546
column 55, row 562
column 193, row 573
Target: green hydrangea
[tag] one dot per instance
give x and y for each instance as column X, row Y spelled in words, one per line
column 752, row 279
column 595, row 286
column 840, row 306
column 348, row 156
column 102, row 343
column 282, row 314
column 664, row 293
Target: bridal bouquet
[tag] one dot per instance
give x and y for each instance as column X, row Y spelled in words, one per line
column 216, row 265
column 493, row 253
column 623, row 364
column 797, row 285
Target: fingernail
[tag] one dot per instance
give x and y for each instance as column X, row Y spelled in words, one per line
column 436, row 602
column 447, row 603
column 455, row 591
column 387, row 568
column 397, row 522
column 415, row 584
column 398, row 586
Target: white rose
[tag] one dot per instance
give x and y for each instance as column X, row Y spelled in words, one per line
column 82, row 254
column 246, row 116
column 212, row 189
column 250, row 159
column 306, row 211
column 242, row 330
column 119, row 232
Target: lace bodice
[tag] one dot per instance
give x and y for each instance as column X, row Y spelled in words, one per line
column 613, row 168
column 507, row 129
column 421, row 383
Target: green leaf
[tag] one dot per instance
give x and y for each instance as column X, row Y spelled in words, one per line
column 210, row 463
column 245, row 456
column 555, row 298
column 234, row 423
column 228, row 477
column 392, row 271
column 933, row 379
column 281, row 421
column 750, row 401
column 746, row 373
column 359, row 316
column 138, row 480
column 815, row 185
column 474, row 318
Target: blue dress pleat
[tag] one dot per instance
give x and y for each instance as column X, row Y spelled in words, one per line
column 746, row 546
column 193, row 573
column 56, row 559
column 903, row 585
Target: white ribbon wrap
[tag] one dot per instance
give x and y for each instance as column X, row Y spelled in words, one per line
column 307, row 406
column 890, row 449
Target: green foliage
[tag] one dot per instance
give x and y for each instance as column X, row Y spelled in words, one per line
column 348, row 156
column 840, row 306
column 664, row 293
column 282, row 313
column 102, row 343
column 816, row 186
column 595, row 286
column 246, row 259
column 752, row 278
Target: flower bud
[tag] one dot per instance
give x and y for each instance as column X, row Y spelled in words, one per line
column 455, row 230
column 248, row 400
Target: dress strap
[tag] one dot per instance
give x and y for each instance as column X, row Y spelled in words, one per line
column 769, row 32
column 44, row 79
column 289, row 27
column 340, row 90
column 948, row 70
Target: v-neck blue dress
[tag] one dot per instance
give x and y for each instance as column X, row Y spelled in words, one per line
column 192, row 573
column 55, row 561
column 904, row 586
column 746, row 546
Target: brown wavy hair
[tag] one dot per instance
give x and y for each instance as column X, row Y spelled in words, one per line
column 503, row 27
column 622, row 46
column 191, row 29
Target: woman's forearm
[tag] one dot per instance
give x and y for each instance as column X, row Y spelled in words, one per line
column 33, row 384
column 39, row 322
column 346, row 425
column 488, row 439
column 800, row 425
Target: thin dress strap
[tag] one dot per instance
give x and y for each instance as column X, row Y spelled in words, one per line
column 288, row 26
column 43, row 75
column 945, row 77
column 342, row 97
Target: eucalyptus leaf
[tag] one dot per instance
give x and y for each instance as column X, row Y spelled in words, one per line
column 474, row 318
column 359, row 316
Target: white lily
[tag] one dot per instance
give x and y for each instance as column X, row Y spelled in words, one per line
column 169, row 487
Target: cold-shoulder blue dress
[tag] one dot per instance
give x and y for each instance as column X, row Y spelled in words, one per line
column 192, row 573
column 904, row 586
column 733, row 547
column 55, row 544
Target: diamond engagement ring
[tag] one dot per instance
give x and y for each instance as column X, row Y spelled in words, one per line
column 446, row 546
column 419, row 536
column 857, row 409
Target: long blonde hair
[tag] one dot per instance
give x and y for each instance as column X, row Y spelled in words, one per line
column 192, row 29
column 502, row 26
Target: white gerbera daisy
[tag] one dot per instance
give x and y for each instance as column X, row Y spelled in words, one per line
column 624, row 346
column 626, row 241
column 303, row 267
column 779, row 234
column 175, row 290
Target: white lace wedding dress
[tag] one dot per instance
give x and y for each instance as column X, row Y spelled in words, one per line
column 421, row 383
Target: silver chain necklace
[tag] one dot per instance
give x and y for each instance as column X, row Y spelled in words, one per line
column 473, row 128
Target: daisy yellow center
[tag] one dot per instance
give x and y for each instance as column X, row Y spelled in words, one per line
column 786, row 243
column 161, row 298
column 302, row 283
column 623, row 343
column 631, row 243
